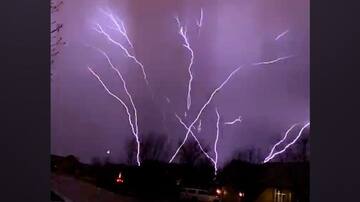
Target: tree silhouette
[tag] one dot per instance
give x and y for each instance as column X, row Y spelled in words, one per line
column 191, row 154
column 154, row 147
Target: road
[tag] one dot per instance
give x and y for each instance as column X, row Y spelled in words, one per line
column 79, row 191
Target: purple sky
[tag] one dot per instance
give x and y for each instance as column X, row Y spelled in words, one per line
column 87, row 122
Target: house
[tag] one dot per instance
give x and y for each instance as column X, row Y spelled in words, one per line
column 284, row 182
column 270, row 182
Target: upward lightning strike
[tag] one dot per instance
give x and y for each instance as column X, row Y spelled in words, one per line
column 281, row 35
column 178, row 21
column 133, row 129
column 217, row 138
column 288, row 145
column 119, row 28
column 234, row 121
column 125, row 88
column 273, row 61
column 203, row 108
column 281, row 141
column 197, row 141
column 100, row 30
column 186, row 44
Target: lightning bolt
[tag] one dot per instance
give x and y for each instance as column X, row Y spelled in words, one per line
column 197, row 141
column 273, row 61
column 214, row 161
column 178, row 21
column 217, row 138
column 186, row 44
column 133, row 128
column 125, row 88
column 119, row 28
column 234, row 121
column 100, row 30
column 203, row 108
column 281, row 35
column 288, row 145
column 282, row 140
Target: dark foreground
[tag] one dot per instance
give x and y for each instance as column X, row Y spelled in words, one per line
column 76, row 190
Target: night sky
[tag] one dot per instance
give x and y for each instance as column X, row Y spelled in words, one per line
column 86, row 121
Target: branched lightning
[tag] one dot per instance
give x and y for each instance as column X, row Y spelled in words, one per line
column 186, row 44
column 203, row 108
column 273, row 61
column 288, row 145
column 239, row 119
column 119, row 28
column 281, row 35
column 133, row 128
column 100, row 30
column 197, row 141
column 178, row 21
column 125, row 88
column 282, row 140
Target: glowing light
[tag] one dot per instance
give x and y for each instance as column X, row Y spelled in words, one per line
column 218, row 191
column 203, row 108
column 108, row 152
column 200, row 21
column 281, row 35
column 288, row 145
column 199, row 127
column 119, row 179
column 273, row 61
column 282, row 140
column 127, row 111
column 167, row 99
column 239, row 119
column 241, row 194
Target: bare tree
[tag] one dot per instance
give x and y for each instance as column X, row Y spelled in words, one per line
column 250, row 154
column 155, row 147
column 131, row 151
column 191, row 153
column 55, row 32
